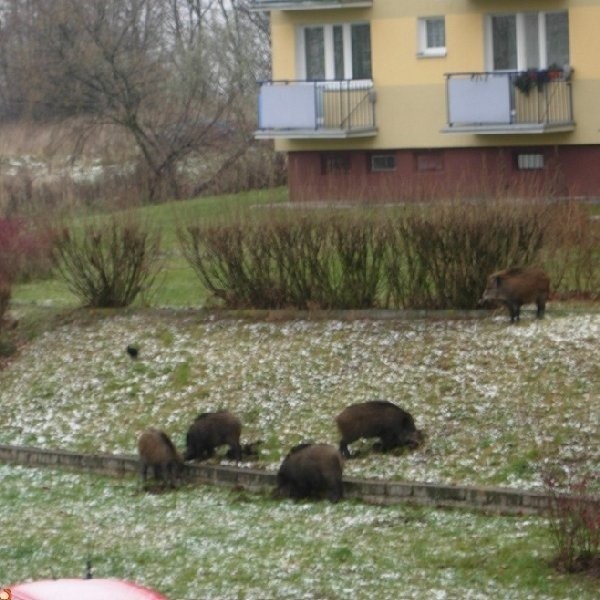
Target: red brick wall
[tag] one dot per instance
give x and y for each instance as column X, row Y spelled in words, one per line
column 445, row 173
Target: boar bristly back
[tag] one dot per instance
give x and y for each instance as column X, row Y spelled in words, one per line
column 311, row 470
column 211, row 430
column 377, row 419
column 516, row 286
column 157, row 452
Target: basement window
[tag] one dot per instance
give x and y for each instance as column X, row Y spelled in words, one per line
column 429, row 161
column 335, row 163
column 530, row 162
column 382, row 162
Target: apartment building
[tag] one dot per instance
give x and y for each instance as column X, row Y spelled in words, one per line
column 378, row 100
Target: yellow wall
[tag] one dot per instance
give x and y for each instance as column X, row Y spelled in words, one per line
column 411, row 100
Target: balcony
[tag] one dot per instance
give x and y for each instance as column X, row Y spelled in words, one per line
column 308, row 4
column 508, row 103
column 316, row 109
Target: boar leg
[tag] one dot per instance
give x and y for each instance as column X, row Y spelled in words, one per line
column 344, row 449
column 235, row 451
column 144, row 473
column 336, row 492
column 514, row 310
column 541, row 307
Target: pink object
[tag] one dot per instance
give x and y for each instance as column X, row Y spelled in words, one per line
column 83, row 589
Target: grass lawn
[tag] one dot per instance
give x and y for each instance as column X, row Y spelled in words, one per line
column 214, row 544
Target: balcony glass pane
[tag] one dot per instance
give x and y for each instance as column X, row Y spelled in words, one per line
column 314, row 48
column 504, row 42
column 361, row 51
column 338, row 51
column 557, row 38
column 532, row 41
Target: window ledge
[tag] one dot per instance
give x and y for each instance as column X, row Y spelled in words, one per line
column 432, row 53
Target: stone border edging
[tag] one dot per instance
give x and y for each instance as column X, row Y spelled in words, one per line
column 485, row 499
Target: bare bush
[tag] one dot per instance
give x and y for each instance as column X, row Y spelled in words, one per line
column 443, row 253
column 108, row 264
column 435, row 256
column 299, row 260
column 24, row 250
column 5, row 295
column 572, row 252
column 574, row 521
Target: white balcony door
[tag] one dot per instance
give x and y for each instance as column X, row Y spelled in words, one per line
column 532, row 40
column 334, row 52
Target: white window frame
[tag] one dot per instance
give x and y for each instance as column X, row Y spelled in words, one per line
column 329, row 49
column 423, row 50
column 521, row 36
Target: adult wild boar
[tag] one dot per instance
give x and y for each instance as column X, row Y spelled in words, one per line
column 157, row 452
column 311, row 470
column 516, row 286
column 377, row 419
column 213, row 429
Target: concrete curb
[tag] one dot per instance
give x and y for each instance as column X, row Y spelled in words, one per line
column 373, row 491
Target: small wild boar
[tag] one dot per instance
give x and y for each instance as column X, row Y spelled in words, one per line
column 211, row 430
column 158, row 452
column 377, row 419
column 311, row 470
column 516, row 286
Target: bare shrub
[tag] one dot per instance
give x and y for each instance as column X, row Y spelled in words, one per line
column 571, row 254
column 24, row 250
column 434, row 256
column 5, row 295
column 259, row 167
column 574, row 521
column 108, row 264
column 306, row 260
column 7, row 344
column 442, row 253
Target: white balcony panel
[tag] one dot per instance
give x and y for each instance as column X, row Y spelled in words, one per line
column 290, row 106
column 479, row 99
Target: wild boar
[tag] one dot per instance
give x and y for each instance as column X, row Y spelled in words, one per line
column 158, row 452
column 211, row 430
column 516, row 286
column 311, row 470
column 377, row 419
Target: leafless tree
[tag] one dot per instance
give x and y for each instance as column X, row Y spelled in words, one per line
column 177, row 75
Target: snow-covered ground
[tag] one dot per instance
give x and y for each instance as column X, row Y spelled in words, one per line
column 498, row 403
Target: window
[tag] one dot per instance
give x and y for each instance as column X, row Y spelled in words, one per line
column 382, row 162
column 335, row 52
column 432, row 36
column 429, row 161
column 521, row 41
column 530, row 162
column 335, row 163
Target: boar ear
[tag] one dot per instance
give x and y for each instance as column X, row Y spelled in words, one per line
column 498, row 281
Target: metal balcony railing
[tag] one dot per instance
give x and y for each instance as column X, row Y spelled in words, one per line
column 303, row 109
column 509, row 102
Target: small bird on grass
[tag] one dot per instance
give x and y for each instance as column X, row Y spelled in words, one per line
column 132, row 351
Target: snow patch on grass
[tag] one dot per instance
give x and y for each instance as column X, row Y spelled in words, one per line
column 497, row 402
